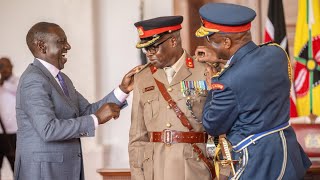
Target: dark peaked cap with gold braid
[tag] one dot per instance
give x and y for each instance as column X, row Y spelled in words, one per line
column 224, row 17
column 151, row 30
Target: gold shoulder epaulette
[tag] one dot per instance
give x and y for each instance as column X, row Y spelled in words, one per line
column 266, row 43
column 275, row 44
column 288, row 59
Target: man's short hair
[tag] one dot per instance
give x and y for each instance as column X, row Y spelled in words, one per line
column 38, row 32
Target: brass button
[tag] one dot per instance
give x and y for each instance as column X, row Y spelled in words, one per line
column 148, row 100
column 198, row 159
column 169, row 89
column 188, row 97
column 168, row 107
column 168, row 125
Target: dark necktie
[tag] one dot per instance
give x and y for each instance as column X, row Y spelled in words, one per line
column 63, row 84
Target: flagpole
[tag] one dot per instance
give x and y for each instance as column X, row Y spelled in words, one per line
column 310, row 54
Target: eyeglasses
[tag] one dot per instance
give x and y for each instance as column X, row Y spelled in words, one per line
column 214, row 44
column 154, row 48
column 208, row 39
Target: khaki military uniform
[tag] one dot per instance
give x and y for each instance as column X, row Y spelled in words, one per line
column 151, row 113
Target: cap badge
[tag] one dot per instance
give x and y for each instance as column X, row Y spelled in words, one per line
column 140, row 31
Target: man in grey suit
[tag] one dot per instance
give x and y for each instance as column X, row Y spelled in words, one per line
column 52, row 115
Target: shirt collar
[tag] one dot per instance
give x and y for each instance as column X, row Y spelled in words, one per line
column 51, row 68
column 229, row 61
column 176, row 66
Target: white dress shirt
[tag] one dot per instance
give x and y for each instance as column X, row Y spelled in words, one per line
column 8, row 105
column 176, row 66
column 119, row 94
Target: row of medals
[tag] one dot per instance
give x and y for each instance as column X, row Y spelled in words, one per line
column 191, row 89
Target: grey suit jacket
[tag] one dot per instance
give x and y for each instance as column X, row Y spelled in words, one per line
column 50, row 125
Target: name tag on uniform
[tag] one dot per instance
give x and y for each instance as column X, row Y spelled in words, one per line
column 150, row 88
column 217, row 86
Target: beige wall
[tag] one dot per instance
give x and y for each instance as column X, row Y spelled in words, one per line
column 74, row 16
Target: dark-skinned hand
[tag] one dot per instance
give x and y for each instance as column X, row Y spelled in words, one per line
column 127, row 82
column 207, row 55
column 107, row 112
column 214, row 65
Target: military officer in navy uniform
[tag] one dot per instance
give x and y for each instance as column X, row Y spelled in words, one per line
column 167, row 140
column 249, row 96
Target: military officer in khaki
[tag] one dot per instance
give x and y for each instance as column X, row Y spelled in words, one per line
column 167, row 139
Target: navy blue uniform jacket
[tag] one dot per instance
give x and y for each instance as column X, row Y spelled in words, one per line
column 252, row 96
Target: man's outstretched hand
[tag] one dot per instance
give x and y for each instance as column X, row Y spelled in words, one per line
column 107, row 112
column 127, row 81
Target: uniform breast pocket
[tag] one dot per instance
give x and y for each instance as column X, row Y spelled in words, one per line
column 197, row 106
column 151, row 106
column 192, row 105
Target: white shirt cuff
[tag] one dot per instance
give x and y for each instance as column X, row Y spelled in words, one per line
column 95, row 120
column 120, row 95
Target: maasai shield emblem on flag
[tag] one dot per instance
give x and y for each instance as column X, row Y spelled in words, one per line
column 307, row 55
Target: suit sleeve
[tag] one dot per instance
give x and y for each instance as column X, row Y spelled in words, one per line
column 220, row 111
column 86, row 108
column 38, row 105
column 138, row 137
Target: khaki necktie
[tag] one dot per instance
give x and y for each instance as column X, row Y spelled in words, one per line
column 170, row 73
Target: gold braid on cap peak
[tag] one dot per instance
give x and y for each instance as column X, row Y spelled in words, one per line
column 203, row 31
column 148, row 43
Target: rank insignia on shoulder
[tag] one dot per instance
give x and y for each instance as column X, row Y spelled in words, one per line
column 150, row 88
column 189, row 62
column 191, row 88
column 153, row 69
column 217, row 86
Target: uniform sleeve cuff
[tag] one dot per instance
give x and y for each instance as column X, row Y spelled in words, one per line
column 95, row 120
column 120, row 95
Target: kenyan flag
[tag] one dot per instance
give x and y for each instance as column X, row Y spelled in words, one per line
column 307, row 55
